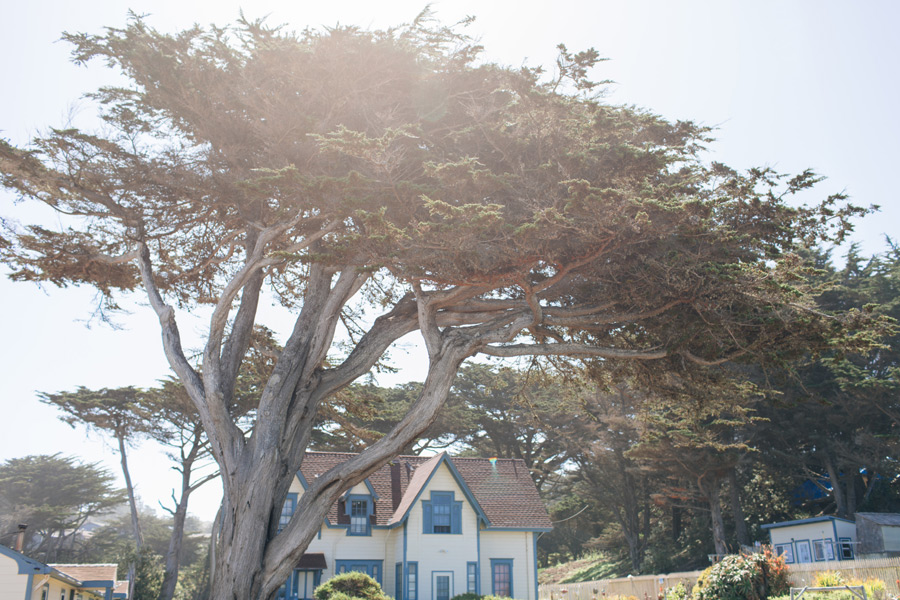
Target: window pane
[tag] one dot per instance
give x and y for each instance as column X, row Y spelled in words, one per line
column 359, row 517
column 442, row 587
column 286, row 512
column 441, row 513
column 471, row 577
column 501, row 579
column 846, row 550
column 411, row 583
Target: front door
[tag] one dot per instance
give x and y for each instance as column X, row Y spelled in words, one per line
column 441, row 585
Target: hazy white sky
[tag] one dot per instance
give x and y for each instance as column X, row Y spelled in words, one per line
column 790, row 84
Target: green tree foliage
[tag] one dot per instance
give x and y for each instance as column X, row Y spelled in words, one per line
column 112, row 542
column 55, row 496
column 837, row 412
column 118, row 413
column 598, row 443
column 489, row 412
column 388, row 182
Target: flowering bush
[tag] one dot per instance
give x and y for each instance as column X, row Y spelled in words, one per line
column 753, row 577
column 677, row 592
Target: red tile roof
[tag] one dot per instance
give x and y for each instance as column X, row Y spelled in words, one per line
column 504, row 489
column 99, row 572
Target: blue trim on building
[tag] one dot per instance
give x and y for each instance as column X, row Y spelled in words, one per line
column 413, row 565
column 434, row 576
column 26, row 565
column 478, row 556
column 470, row 565
column 445, row 459
column 508, row 561
column 804, row 522
column 455, row 513
column 99, row 583
column 370, row 507
column 292, row 498
column 373, row 567
column 405, row 568
column 836, row 548
column 534, row 537
column 29, row 584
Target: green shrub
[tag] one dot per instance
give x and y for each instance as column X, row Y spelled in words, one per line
column 875, row 589
column 468, row 596
column 829, row 579
column 350, row 585
column 677, row 592
column 732, row 578
column 701, row 582
column 753, row 577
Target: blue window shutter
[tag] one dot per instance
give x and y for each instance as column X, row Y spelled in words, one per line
column 456, row 518
column 427, row 527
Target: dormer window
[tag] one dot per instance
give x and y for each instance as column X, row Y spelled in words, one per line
column 442, row 514
column 287, row 511
column 359, row 508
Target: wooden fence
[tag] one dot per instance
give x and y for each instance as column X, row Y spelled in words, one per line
column 885, row 569
column 650, row 586
column 641, row 586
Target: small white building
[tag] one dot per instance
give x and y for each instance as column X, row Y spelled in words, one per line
column 427, row 528
column 818, row 539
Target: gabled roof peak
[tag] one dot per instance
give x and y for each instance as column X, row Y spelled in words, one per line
column 501, row 491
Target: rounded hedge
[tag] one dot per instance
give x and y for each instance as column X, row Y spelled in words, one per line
column 347, row 586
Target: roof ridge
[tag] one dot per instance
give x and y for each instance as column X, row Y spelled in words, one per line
column 82, row 565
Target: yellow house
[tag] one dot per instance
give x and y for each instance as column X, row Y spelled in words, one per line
column 426, row 528
column 23, row 578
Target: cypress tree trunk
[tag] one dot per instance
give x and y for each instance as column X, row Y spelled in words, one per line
column 711, row 489
column 737, row 511
column 836, row 488
column 179, row 515
column 132, row 503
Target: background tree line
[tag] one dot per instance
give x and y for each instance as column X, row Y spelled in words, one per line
column 655, row 480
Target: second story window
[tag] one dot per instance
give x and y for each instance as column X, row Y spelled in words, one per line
column 442, row 514
column 440, row 507
column 359, row 509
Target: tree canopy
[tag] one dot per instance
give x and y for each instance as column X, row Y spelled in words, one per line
column 381, row 183
column 55, row 496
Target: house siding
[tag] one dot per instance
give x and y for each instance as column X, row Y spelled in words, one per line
column 515, row 545
column 445, row 552
column 12, row 585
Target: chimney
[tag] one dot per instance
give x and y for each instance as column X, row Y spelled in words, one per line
column 396, row 488
column 20, row 538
